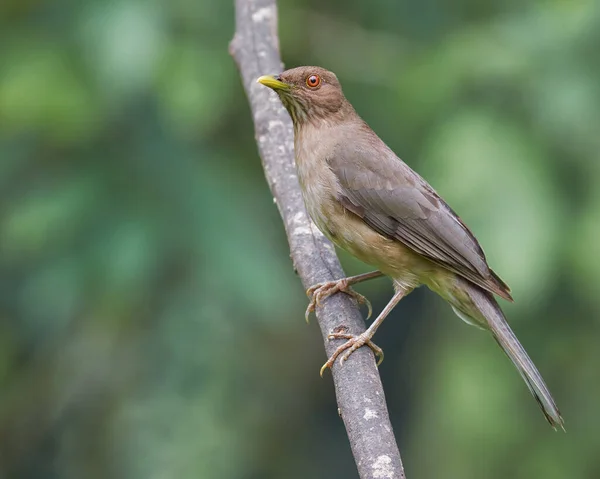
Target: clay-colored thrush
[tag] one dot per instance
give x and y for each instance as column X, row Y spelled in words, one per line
column 367, row 201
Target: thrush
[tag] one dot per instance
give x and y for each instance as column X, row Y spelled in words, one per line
column 367, row 201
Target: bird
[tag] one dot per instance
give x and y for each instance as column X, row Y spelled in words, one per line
column 369, row 202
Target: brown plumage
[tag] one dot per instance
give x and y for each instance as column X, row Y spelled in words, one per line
column 369, row 202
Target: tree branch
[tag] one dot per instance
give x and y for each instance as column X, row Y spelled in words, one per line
column 360, row 396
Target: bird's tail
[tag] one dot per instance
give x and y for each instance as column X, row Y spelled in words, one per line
column 490, row 312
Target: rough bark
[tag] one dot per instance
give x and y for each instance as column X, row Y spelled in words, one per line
column 359, row 392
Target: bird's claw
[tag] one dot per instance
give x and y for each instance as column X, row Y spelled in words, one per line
column 320, row 291
column 351, row 345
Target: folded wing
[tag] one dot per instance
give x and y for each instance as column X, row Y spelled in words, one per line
column 396, row 202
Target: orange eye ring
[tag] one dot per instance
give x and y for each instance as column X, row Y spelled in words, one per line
column 313, row 81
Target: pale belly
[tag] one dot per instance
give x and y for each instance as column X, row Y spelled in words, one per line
column 349, row 232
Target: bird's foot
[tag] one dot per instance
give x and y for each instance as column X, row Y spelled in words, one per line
column 353, row 343
column 320, row 291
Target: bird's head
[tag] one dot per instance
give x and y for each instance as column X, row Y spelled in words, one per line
column 308, row 93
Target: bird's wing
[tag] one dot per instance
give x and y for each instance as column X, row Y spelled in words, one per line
column 396, row 202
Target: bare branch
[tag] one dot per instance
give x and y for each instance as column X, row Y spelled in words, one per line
column 360, row 396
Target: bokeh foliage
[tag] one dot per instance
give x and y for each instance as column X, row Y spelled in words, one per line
column 151, row 323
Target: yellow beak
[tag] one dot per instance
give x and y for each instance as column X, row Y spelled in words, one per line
column 272, row 82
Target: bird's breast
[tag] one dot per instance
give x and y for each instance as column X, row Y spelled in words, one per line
column 317, row 182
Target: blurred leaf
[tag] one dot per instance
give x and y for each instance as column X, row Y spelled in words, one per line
column 194, row 86
column 45, row 219
column 41, row 90
column 123, row 42
column 584, row 250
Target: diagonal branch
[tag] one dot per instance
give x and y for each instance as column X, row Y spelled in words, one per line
column 360, row 397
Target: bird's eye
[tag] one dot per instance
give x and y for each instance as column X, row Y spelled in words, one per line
column 313, row 81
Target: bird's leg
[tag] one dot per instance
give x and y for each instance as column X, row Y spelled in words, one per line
column 364, row 339
column 321, row 291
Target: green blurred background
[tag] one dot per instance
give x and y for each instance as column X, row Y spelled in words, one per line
column 151, row 325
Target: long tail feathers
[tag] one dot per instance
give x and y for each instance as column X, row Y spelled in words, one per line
column 509, row 343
